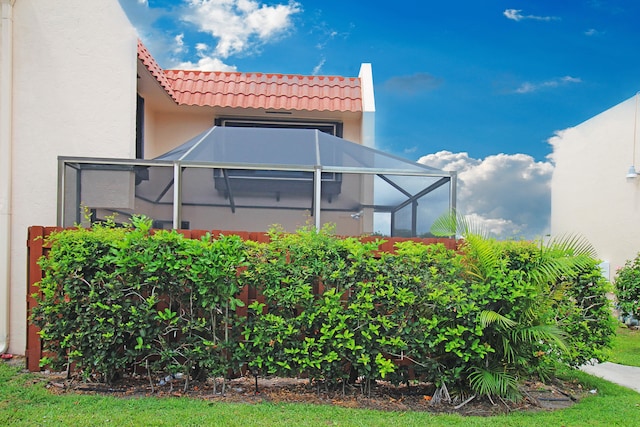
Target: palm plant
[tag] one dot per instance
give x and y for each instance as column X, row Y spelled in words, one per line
column 521, row 282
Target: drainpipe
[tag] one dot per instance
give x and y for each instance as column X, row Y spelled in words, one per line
column 6, row 118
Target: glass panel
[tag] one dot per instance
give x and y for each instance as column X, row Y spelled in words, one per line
column 260, row 146
column 116, row 191
column 351, row 209
column 401, row 224
column 382, row 223
column 71, row 207
column 249, row 145
column 93, row 192
column 338, row 152
column 154, row 184
column 430, row 207
column 248, row 200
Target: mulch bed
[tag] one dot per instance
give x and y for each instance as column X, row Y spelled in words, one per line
column 384, row 396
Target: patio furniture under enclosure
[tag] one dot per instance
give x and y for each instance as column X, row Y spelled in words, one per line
column 240, row 178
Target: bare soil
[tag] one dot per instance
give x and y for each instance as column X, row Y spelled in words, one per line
column 384, row 396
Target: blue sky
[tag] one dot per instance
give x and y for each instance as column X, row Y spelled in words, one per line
column 474, row 85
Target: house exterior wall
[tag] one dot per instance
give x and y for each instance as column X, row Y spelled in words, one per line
column 590, row 194
column 74, row 94
column 167, row 129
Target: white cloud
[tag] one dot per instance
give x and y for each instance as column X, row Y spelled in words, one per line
column 179, row 43
column 509, row 195
column 206, row 63
column 326, row 34
column 516, row 15
column 236, row 26
column 318, row 67
column 528, row 87
column 593, row 32
column 240, row 25
column 496, row 227
column 513, row 14
column 163, row 46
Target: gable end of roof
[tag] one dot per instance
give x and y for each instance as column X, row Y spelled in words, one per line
column 150, row 63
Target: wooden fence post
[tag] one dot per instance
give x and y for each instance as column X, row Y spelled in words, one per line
column 35, row 243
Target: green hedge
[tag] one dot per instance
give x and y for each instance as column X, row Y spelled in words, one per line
column 481, row 318
column 628, row 288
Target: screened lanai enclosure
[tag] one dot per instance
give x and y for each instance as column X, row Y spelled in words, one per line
column 249, row 179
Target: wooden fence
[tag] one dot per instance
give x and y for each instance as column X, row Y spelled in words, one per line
column 37, row 247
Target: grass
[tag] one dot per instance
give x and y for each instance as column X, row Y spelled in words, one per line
column 626, row 347
column 24, row 401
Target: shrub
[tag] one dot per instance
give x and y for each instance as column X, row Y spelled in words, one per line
column 585, row 315
column 116, row 298
column 627, row 287
column 321, row 311
column 334, row 309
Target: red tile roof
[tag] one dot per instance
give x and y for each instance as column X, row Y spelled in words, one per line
column 257, row 90
column 268, row 91
column 154, row 69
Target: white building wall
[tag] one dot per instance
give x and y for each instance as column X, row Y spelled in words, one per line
column 368, row 106
column 590, row 193
column 74, row 94
column 165, row 130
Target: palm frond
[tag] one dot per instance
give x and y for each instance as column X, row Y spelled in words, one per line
column 573, row 244
column 494, row 382
column 508, row 350
column 488, row 317
column 446, row 225
column 562, row 257
column 540, row 333
column 455, row 224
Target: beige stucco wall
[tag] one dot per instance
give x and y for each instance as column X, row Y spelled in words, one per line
column 168, row 130
column 165, row 130
column 590, row 194
column 74, row 92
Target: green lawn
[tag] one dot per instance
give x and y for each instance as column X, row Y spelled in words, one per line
column 626, row 347
column 25, row 402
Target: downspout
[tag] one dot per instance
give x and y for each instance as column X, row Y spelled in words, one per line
column 6, row 121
